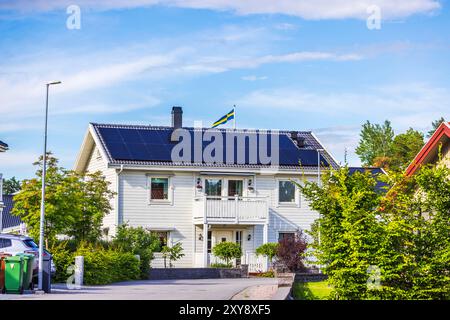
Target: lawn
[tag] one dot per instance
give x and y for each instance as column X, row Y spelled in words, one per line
column 311, row 290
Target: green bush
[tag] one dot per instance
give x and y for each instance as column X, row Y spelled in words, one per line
column 173, row 253
column 268, row 250
column 103, row 266
column 221, row 265
column 137, row 241
column 63, row 257
column 227, row 251
column 267, row 274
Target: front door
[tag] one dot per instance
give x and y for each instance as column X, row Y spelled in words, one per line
column 219, row 236
column 222, row 236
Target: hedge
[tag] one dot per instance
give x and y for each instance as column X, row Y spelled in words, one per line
column 101, row 266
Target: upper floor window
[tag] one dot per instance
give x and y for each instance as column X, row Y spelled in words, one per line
column 235, row 188
column 159, row 189
column 213, row 187
column 286, row 191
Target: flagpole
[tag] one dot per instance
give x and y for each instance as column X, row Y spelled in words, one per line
column 234, row 106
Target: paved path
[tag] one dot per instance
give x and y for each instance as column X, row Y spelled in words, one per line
column 202, row 289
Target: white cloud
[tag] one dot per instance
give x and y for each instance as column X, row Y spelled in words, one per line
column 254, row 78
column 407, row 105
column 306, row 9
column 386, row 101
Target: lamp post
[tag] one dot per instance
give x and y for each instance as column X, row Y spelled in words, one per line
column 44, row 170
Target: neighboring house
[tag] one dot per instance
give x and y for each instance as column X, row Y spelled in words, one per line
column 3, row 146
column 10, row 223
column 375, row 172
column 200, row 202
column 429, row 154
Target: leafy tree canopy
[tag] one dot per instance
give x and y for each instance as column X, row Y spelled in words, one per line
column 74, row 204
column 380, row 147
column 435, row 124
column 11, row 186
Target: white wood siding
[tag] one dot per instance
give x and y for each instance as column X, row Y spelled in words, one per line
column 97, row 163
column 136, row 210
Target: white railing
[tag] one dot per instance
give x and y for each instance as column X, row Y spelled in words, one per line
column 231, row 209
column 256, row 263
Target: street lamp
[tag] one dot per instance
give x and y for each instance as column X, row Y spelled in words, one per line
column 44, row 169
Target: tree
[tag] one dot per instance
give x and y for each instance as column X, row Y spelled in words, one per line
column 173, row 253
column 291, row 252
column 268, row 250
column 11, row 186
column 227, row 251
column 435, row 124
column 346, row 236
column 403, row 234
column 379, row 146
column 404, row 148
column 375, row 141
column 74, row 204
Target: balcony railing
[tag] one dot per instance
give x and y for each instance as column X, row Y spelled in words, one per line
column 221, row 209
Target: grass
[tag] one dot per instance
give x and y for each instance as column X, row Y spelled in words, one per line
column 311, row 290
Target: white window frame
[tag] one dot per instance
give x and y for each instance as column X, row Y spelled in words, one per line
column 151, row 201
column 222, row 191
column 297, row 199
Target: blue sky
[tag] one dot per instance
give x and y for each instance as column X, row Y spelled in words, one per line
column 305, row 65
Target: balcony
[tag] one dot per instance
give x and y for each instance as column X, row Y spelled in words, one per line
column 231, row 210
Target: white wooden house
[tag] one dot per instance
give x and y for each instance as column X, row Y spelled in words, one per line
column 198, row 202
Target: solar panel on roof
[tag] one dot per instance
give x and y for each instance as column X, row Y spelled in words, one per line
column 153, row 144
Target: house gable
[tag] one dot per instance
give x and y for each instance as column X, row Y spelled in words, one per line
column 430, row 151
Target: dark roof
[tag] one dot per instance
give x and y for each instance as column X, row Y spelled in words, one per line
column 3, row 145
column 9, row 220
column 376, row 172
column 150, row 145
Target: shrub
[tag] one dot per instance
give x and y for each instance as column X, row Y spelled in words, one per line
column 173, row 253
column 63, row 257
column 268, row 250
column 221, row 265
column 103, row 266
column 227, row 251
column 137, row 241
column 268, row 274
column 291, row 252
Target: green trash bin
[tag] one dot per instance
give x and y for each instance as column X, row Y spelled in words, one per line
column 28, row 262
column 14, row 274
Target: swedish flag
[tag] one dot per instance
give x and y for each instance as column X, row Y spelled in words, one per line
column 224, row 119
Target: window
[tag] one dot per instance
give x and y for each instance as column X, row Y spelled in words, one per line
column 30, row 244
column 159, row 189
column 209, row 241
column 5, row 243
column 235, row 188
column 239, row 238
column 286, row 235
column 213, row 187
column 286, row 192
column 163, row 237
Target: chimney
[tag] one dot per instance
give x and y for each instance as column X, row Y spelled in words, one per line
column 177, row 117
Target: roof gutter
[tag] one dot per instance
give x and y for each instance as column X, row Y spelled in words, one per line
column 118, row 218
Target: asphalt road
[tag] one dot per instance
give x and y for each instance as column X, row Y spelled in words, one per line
column 202, row 289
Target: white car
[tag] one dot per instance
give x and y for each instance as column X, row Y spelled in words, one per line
column 14, row 244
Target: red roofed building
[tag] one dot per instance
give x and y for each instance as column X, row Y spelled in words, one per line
column 430, row 151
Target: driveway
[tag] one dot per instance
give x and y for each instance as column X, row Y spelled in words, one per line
column 201, row 289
